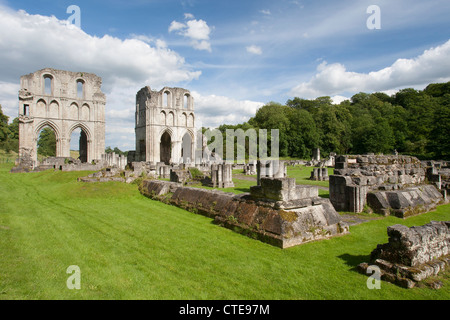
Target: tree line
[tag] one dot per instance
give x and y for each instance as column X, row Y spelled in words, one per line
column 413, row 122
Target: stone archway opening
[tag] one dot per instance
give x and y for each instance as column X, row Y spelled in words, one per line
column 186, row 148
column 166, row 148
column 79, row 145
column 46, row 143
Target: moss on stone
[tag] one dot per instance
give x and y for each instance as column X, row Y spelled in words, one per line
column 288, row 216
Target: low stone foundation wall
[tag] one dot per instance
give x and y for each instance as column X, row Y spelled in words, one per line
column 112, row 174
column 388, row 184
column 405, row 203
column 412, row 254
column 290, row 216
column 81, row 167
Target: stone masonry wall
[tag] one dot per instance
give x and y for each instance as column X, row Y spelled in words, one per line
column 398, row 177
column 277, row 212
column 413, row 254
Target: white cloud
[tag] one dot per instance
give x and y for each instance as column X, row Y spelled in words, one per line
column 197, row 31
column 213, row 110
column 188, row 16
column 266, row 12
column 8, row 99
column 334, row 79
column 254, row 49
column 338, row 99
column 33, row 42
column 175, row 26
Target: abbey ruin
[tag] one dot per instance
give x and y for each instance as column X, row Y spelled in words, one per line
column 63, row 101
column 165, row 124
column 276, row 210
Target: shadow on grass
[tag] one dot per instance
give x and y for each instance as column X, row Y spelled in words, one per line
column 354, row 260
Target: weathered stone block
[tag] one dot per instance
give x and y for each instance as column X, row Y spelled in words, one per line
column 259, row 218
column 412, row 254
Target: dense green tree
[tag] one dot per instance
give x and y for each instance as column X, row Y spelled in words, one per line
column 4, row 128
column 47, row 143
column 116, row 150
column 437, row 89
column 12, row 143
column 274, row 116
column 333, row 123
column 439, row 145
column 303, row 135
column 9, row 133
column 108, row 150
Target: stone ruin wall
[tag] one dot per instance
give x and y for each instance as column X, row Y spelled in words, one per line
column 277, row 211
column 64, row 108
column 438, row 173
column 412, row 254
column 388, row 184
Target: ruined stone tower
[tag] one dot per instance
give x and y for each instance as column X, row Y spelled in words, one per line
column 165, row 125
column 63, row 101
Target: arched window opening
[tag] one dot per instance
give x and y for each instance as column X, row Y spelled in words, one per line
column 80, row 89
column 48, row 85
column 166, row 97
column 186, row 101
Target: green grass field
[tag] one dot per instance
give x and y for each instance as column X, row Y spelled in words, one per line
column 130, row 247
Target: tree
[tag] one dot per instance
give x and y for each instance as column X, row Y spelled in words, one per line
column 12, row 143
column 109, row 150
column 116, row 150
column 4, row 129
column 440, row 134
column 438, row 89
column 303, row 135
column 47, row 143
column 274, row 116
column 9, row 134
column 333, row 123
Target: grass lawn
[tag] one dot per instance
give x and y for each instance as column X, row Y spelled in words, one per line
column 130, row 247
column 302, row 174
column 7, row 157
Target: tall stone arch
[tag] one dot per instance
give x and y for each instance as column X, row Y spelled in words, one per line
column 85, row 141
column 54, row 127
column 187, row 145
column 169, row 109
column 165, row 147
column 52, row 97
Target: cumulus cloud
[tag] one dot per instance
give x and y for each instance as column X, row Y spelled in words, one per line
column 36, row 41
column 254, row 49
column 213, row 110
column 8, row 99
column 334, row 79
column 338, row 99
column 33, row 42
column 197, row 31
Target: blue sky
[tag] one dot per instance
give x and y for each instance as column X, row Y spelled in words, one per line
column 234, row 56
